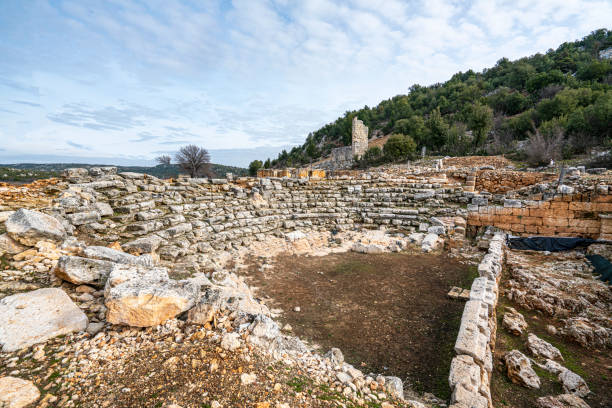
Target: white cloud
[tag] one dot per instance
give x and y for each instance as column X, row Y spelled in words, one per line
column 249, row 73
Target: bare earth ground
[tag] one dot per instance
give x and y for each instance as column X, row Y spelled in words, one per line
column 594, row 365
column 388, row 313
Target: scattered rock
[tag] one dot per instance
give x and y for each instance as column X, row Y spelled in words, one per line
column 541, row 348
column 83, row 270
column 520, row 371
column 573, row 383
column 113, row 255
column 216, row 298
column 9, row 246
column 514, row 321
column 34, row 317
column 95, row 328
column 561, row 401
column 335, row 356
column 28, row 227
column 230, row 341
column 246, row 379
column 17, row 393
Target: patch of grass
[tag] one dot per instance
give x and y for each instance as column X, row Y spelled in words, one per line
column 353, row 266
column 298, row 383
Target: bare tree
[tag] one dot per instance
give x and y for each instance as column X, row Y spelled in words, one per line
column 194, row 160
column 163, row 159
column 541, row 149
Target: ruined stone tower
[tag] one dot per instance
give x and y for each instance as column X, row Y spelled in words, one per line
column 360, row 138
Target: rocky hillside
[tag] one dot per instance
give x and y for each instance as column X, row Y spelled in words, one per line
column 558, row 101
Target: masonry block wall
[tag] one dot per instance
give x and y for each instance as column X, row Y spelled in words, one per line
column 189, row 216
column 565, row 215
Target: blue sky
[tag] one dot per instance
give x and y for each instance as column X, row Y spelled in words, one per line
column 124, row 81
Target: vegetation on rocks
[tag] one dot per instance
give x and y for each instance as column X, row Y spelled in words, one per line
column 560, row 94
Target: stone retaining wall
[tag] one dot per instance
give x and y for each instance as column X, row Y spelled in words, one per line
column 189, row 216
column 471, row 368
column 564, row 215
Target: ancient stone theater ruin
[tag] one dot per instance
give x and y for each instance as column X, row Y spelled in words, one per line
column 403, row 286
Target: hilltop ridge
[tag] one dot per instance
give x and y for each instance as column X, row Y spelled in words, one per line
column 563, row 95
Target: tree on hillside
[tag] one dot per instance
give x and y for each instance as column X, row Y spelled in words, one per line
column 194, row 160
column 267, row 164
column 254, row 166
column 164, row 159
column 436, row 129
column 479, row 120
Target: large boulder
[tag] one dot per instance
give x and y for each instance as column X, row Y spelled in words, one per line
column 520, row 371
column 17, row 393
column 83, row 271
column 141, row 296
column 28, row 227
column 34, row 317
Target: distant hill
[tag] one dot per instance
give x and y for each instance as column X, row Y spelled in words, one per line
column 563, row 96
column 23, row 172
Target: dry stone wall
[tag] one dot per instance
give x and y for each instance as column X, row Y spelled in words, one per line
column 189, row 216
column 472, row 367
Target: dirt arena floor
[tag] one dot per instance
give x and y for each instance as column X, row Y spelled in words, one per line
column 388, row 313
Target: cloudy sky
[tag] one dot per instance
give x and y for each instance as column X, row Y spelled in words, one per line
column 124, row 81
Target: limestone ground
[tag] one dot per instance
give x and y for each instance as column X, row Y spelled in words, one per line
column 388, row 313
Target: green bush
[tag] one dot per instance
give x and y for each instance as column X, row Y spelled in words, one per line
column 399, row 147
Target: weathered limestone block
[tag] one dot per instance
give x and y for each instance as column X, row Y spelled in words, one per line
column 484, row 290
column 9, row 246
column 431, row 242
column 34, row 317
column 367, row 248
column 573, row 383
column 462, row 398
column 81, row 218
column 474, row 332
column 113, row 255
column 141, row 296
column 514, row 321
column 561, row 401
column 28, row 227
column 17, row 393
column 144, row 245
column 465, row 372
column 215, row 299
column 542, row 348
column 520, row 371
column 104, row 209
column 82, row 271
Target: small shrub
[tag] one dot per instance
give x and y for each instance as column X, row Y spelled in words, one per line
column 541, row 148
column 399, row 147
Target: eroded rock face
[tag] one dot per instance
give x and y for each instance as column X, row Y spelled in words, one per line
column 520, row 371
column 28, row 227
column 34, row 317
column 82, row 271
column 514, row 321
column 17, row 393
column 141, row 296
column 542, row 348
column 561, row 401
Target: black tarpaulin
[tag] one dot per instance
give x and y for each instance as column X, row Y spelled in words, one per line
column 603, row 267
column 551, row 244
